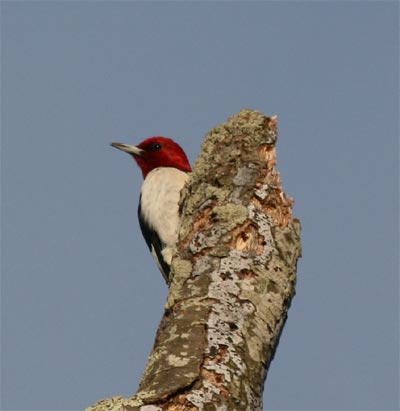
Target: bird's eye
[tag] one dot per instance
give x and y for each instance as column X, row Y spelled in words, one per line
column 155, row 147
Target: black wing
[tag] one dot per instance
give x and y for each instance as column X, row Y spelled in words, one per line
column 154, row 243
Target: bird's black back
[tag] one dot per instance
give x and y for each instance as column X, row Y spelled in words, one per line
column 154, row 243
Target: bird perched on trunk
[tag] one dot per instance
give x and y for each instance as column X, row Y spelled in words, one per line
column 165, row 169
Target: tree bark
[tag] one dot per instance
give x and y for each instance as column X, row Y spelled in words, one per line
column 234, row 276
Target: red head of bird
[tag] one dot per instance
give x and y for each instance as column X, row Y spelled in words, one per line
column 157, row 152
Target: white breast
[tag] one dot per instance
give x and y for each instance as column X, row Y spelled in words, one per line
column 159, row 204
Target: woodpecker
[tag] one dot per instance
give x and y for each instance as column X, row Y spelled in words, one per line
column 165, row 169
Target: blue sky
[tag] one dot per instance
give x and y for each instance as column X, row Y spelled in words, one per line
column 81, row 298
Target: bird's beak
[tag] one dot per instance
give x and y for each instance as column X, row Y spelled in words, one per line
column 128, row 149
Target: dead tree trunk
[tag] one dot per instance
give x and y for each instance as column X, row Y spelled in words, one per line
column 234, row 277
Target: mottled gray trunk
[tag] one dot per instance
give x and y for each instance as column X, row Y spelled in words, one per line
column 234, row 277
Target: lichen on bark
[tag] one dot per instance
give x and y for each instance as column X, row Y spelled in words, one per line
column 233, row 276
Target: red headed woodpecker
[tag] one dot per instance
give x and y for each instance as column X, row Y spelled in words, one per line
column 164, row 167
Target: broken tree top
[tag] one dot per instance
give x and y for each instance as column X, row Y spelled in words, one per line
column 233, row 278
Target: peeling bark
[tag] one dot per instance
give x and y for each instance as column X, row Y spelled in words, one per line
column 233, row 278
